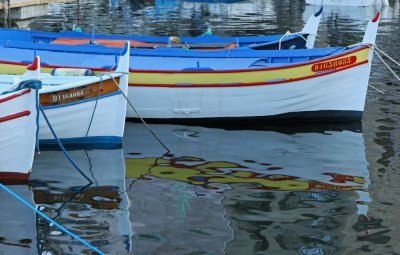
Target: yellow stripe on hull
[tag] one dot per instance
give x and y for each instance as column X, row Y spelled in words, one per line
column 238, row 77
column 256, row 76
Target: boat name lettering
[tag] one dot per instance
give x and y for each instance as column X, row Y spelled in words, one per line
column 62, row 97
column 334, row 64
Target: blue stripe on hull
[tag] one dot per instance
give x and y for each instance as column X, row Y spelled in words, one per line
column 90, row 140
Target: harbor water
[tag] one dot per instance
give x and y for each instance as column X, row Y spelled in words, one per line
column 280, row 188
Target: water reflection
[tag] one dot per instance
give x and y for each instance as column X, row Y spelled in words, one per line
column 292, row 190
column 97, row 213
column 180, row 17
column 17, row 234
column 281, row 191
column 231, row 191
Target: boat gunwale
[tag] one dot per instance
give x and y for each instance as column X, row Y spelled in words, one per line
column 325, row 58
column 322, row 59
column 86, row 81
column 56, row 106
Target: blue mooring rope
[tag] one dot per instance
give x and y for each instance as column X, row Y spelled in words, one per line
column 50, row 220
column 62, row 147
column 36, row 85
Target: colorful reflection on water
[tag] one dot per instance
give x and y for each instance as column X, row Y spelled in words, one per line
column 287, row 189
column 217, row 191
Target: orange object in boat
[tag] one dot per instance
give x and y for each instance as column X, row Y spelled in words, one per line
column 138, row 44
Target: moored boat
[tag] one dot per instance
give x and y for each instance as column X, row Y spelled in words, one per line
column 177, row 85
column 321, row 84
column 82, row 109
column 299, row 40
column 18, row 125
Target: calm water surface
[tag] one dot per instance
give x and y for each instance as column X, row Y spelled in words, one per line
column 287, row 189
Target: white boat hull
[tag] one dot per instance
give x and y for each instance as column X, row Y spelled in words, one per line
column 341, row 93
column 89, row 111
column 17, row 134
column 74, row 123
column 344, row 2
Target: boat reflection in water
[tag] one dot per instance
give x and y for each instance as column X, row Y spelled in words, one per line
column 97, row 213
column 17, row 222
column 217, row 191
column 233, row 191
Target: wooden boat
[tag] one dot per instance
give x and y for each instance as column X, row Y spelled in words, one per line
column 318, row 84
column 18, row 130
column 79, row 106
column 303, row 39
column 347, row 2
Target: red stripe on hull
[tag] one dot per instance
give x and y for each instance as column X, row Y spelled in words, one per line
column 253, row 69
column 4, row 99
column 15, row 116
column 247, row 84
column 192, row 71
column 14, row 178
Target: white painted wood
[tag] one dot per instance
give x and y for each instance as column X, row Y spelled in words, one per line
column 344, row 2
column 18, row 136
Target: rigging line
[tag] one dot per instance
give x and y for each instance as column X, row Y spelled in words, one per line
column 96, row 182
column 134, row 181
column 70, row 200
column 50, row 220
column 376, row 89
column 386, row 55
column 383, row 61
column 95, row 107
column 140, row 117
column 100, row 197
column 79, row 191
column 90, row 165
column 287, row 34
column 62, row 147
